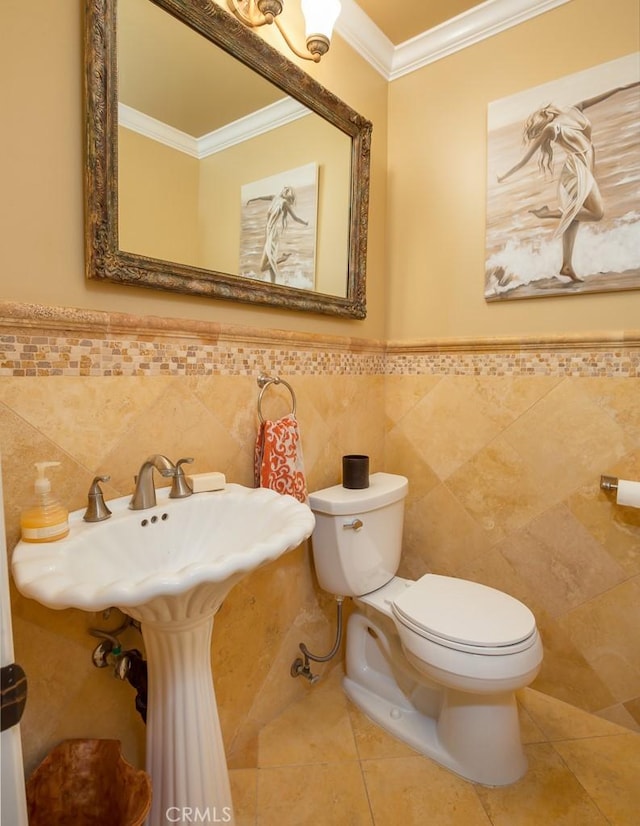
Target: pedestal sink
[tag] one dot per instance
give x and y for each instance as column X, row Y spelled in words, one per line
column 170, row 567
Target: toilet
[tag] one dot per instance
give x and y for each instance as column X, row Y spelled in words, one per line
column 436, row 661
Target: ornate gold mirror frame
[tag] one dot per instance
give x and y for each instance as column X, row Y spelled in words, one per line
column 107, row 262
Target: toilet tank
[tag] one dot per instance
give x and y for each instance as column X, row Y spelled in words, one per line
column 351, row 560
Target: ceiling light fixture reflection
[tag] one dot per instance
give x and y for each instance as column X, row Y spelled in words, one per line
column 319, row 16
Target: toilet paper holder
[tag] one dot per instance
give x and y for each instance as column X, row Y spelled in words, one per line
column 609, row 483
column 627, row 493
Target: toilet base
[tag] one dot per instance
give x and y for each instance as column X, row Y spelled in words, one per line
column 475, row 736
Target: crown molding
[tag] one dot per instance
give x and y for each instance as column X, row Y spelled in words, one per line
column 263, row 120
column 156, row 130
column 257, row 123
column 473, row 26
column 362, row 34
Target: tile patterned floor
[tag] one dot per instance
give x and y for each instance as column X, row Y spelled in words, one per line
column 323, row 763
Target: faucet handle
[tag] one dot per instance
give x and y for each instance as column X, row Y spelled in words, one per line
column 97, row 510
column 180, row 488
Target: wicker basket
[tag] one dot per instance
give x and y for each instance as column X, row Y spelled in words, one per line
column 87, row 783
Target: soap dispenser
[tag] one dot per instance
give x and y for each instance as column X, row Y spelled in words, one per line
column 46, row 519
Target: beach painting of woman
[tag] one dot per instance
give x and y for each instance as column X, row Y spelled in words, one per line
column 563, row 186
column 278, row 228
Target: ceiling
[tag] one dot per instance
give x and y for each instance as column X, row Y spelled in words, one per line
column 402, row 21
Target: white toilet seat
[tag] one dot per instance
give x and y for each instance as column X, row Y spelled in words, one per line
column 465, row 616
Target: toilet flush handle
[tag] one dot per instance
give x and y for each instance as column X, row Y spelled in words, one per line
column 355, row 525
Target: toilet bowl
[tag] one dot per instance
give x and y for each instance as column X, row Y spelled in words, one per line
column 435, row 661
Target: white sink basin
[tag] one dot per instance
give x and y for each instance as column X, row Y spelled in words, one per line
column 170, row 567
column 164, row 551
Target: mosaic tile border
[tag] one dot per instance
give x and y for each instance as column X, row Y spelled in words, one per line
column 615, row 363
column 23, row 355
column 38, row 341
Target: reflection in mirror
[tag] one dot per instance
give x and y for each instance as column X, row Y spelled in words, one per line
column 216, row 167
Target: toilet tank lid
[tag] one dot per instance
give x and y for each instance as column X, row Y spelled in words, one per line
column 384, row 489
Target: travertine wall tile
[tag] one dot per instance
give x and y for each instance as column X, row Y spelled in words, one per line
column 502, row 447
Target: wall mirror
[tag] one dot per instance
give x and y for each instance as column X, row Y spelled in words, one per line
column 215, row 166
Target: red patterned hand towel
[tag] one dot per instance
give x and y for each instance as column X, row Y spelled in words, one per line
column 278, row 458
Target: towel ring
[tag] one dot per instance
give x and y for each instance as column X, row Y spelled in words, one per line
column 264, row 382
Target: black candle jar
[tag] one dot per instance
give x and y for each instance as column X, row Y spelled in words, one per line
column 355, row 471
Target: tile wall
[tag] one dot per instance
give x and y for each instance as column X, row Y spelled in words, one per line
column 503, row 445
column 505, row 474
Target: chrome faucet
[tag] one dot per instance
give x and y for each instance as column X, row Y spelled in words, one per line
column 145, row 493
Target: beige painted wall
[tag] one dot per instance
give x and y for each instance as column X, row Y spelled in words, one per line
column 158, row 191
column 42, row 174
column 432, row 222
column 436, row 177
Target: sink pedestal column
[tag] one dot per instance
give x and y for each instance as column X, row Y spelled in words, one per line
column 185, row 750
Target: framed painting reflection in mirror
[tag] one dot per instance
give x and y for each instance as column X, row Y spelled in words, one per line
column 278, row 228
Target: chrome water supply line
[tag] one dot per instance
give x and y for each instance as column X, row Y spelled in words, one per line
column 128, row 664
column 110, row 645
column 302, row 668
